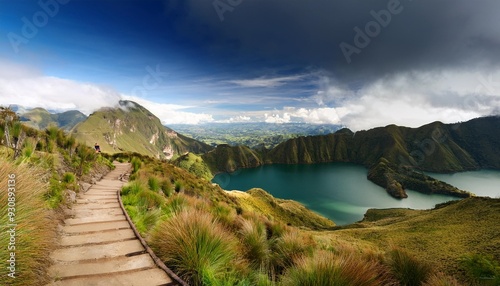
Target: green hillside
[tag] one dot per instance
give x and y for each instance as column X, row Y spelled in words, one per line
column 445, row 236
column 210, row 236
column 40, row 118
column 227, row 158
column 130, row 127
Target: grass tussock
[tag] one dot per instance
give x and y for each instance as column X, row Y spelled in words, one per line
column 198, row 248
column 481, row 269
column 34, row 230
column 440, row 279
column 327, row 268
column 407, row 269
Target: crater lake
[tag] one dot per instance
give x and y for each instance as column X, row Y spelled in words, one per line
column 338, row 191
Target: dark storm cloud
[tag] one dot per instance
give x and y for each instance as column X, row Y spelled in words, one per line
column 422, row 35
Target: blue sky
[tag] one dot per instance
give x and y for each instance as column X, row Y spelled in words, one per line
column 275, row 61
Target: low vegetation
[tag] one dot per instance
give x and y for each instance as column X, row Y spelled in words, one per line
column 212, row 237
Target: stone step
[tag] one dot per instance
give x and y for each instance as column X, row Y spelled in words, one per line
column 138, row 278
column 86, row 228
column 95, row 219
column 119, row 264
column 100, row 237
column 101, row 251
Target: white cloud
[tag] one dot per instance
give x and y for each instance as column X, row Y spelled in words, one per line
column 55, row 93
column 266, row 82
column 172, row 113
column 27, row 87
column 277, row 118
column 239, row 119
column 417, row 98
column 323, row 115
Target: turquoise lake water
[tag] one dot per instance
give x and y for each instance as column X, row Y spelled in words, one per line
column 341, row 192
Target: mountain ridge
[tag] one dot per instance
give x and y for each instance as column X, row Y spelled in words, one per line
column 41, row 118
column 131, row 127
column 395, row 155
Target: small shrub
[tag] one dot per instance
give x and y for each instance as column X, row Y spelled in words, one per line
column 154, row 184
column 441, row 280
column 178, row 187
column 69, row 177
column 133, row 188
column 176, row 204
column 54, row 196
column 325, row 268
column 290, row 247
column 145, row 221
column 166, row 187
column 482, row 268
column 136, row 164
column 197, row 248
column 407, row 269
column 29, row 148
column 256, row 247
column 149, row 200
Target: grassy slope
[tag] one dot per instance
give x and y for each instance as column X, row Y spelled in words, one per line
column 440, row 236
column 195, row 165
column 227, row 158
column 286, row 211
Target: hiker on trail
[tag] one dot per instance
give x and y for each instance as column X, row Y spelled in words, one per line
column 97, row 148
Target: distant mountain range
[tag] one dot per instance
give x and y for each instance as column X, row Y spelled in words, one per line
column 395, row 155
column 131, row 127
column 40, row 118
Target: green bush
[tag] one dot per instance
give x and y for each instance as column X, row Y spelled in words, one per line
column 256, row 247
column 178, row 187
column 136, row 164
column 154, row 184
column 325, row 268
column 54, row 196
column 166, row 187
column 133, row 188
column 482, row 268
column 407, row 269
column 198, row 249
column 69, row 177
column 441, row 280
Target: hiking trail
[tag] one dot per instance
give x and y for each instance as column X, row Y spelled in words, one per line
column 97, row 245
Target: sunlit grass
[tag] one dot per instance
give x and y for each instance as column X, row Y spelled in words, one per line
column 35, row 230
column 407, row 269
column 197, row 248
column 326, row 268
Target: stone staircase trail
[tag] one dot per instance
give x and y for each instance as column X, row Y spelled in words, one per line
column 98, row 245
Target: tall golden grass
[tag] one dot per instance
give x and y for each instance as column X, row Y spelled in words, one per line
column 35, row 231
